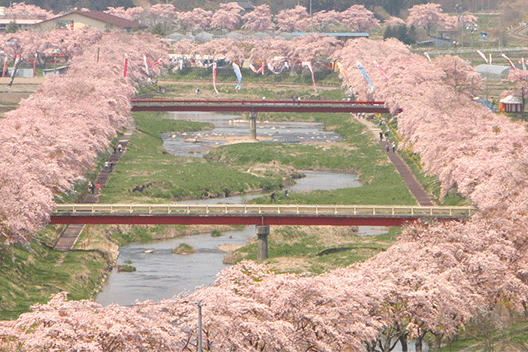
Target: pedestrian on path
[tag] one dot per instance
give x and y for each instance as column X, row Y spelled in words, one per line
column 387, row 146
column 393, row 147
column 381, row 136
column 98, row 187
column 91, row 187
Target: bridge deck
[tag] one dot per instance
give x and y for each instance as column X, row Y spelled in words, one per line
column 306, row 106
column 253, row 214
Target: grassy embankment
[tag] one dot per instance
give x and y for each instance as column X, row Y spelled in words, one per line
column 31, row 274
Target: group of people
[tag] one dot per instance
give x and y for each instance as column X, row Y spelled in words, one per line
column 118, row 148
column 94, row 188
column 388, row 145
column 272, row 195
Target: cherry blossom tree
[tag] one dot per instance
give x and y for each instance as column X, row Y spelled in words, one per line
column 258, row 20
column 162, row 15
column 21, row 10
column 89, row 104
column 394, row 21
column 274, row 52
column 358, row 18
column 460, row 75
column 322, row 21
column 132, row 13
column 228, row 17
column 184, row 47
column 196, row 19
column 519, row 78
column 290, row 20
column 230, row 49
column 426, row 15
column 316, row 48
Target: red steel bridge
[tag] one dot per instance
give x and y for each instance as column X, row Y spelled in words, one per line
column 256, row 106
column 254, row 214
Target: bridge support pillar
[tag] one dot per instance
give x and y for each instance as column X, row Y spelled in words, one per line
column 262, row 248
column 253, row 125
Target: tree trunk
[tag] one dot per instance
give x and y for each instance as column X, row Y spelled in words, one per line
column 403, row 341
column 418, row 345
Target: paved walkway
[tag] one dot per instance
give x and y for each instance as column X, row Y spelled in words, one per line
column 71, row 233
column 414, row 186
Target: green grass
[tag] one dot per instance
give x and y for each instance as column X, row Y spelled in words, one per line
column 183, row 249
column 34, row 276
column 126, row 268
column 293, row 243
column 165, row 178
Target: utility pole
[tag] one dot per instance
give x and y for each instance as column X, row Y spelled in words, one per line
column 199, row 304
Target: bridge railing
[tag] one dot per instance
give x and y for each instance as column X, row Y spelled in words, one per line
column 255, row 101
column 258, row 209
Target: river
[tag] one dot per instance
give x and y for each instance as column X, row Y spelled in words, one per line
column 159, row 273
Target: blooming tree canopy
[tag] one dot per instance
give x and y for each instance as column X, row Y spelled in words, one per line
column 21, row 10
column 228, row 17
column 258, row 20
column 358, row 18
column 132, row 13
column 196, row 19
column 290, row 20
column 426, row 15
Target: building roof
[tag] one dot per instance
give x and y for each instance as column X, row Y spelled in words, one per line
column 493, row 71
column 103, row 17
column 511, row 99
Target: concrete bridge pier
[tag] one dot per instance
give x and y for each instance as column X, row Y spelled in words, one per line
column 262, row 244
column 253, row 125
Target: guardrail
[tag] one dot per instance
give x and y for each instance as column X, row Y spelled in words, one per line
column 256, row 209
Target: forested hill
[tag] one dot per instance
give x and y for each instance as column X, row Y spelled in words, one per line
column 393, row 7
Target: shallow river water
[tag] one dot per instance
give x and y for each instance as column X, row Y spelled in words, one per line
column 159, row 273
